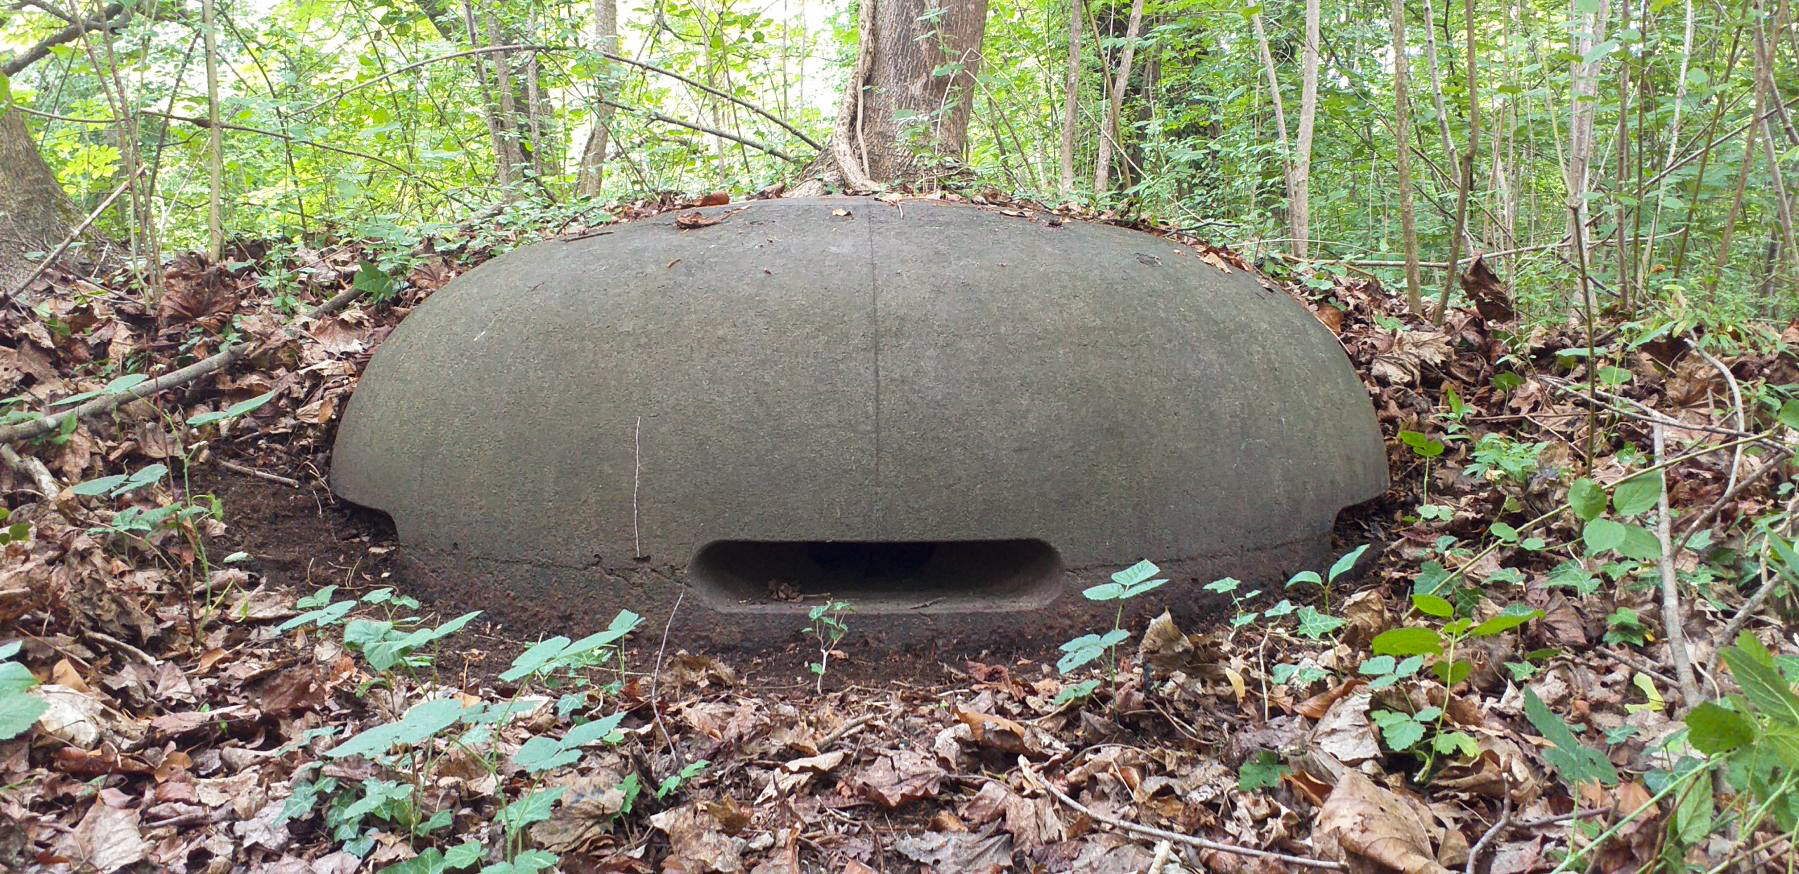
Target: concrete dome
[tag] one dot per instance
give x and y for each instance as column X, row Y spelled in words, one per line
column 951, row 417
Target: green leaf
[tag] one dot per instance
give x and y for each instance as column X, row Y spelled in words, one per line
column 1712, row 729
column 99, row 486
column 18, row 713
column 1504, row 532
column 1587, row 499
column 595, row 731
column 1408, row 642
column 420, row 724
column 1508, row 619
column 1637, row 495
column 1601, row 535
column 534, row 658
column 1263, row 771
column 1104, row 592
column 1451, row 743
column 1311, row 577
column 1640, row 543
column 1765, row 688
column 240, row 408
column 1576, row 762
column 1347, row 561
column 1789, row 414
column 1136, row 573
column 529, row 809
column 1433, row 605
column 1314, row 625
column 1378, row 665
column 1399, row 730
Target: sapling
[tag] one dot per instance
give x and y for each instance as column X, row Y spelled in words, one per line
column 828, row 628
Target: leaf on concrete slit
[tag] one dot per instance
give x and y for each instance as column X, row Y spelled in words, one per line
column 106, row 839
column 697, row 841
column 695, row 219
column 899, row 778
column 1372, row 824
column 959, row 851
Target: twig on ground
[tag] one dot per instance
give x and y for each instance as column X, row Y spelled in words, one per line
column 1160, row 860
column 1700, row 521
column 1644, row 413
column 1163, row 834
column 1499, row 825
column 108, row 402
column 1736, row 401
column 1639, row 665
column 259, row 474
column 145, row 657
column 1672, row 619
column 655, row 680
column 33, row 468
column 842, row 731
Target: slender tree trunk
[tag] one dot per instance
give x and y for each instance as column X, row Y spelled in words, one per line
column 1071, row 97
column 904, row 113
column 1300, row 209
column 1102, row 169
column 1465, row 190
column 1588, row 31
column 1436, row 82
column 215, row 148
column 1402, row 111
column 510, row 147
column 591, row 175
column 1736, row 200
column 1280, row 113
column 503, row 168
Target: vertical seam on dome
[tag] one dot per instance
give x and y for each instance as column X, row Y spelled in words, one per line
column 874, row 315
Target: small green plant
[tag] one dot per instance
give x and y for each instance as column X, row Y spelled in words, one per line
column 1755, row 734
column 1264, row 770
column 19, row 710
column 1125, row 585
column 1497, row 457
column 1341, row 566
column 1427, row 448
column 1401, row 654
column 828, row 628
column 1624, row 626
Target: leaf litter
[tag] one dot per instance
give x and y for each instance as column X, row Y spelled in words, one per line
column 176, row 726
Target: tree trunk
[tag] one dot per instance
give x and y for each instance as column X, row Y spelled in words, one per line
column 593, row 157
column 1274, row 93
column 35, row 213
column 904, row 114
column 1402, row 111
column 1588, row 31
column 1300, row 182
column 1108, row 132
column 1071, row 101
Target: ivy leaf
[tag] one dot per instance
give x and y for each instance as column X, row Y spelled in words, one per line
column 1263, row 771
column 1315, row 625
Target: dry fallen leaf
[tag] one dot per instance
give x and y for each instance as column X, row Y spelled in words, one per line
column 1369, row 824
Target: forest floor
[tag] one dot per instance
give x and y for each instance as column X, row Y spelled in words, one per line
column 224, row 676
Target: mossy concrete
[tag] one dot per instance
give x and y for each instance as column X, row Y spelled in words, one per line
column 566, row 427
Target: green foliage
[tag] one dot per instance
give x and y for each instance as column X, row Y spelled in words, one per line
column 1574, row 761
column 828, row 629
column 19, row 710
column 1264, row 770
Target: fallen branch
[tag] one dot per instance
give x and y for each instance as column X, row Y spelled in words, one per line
column 247, row 470
column 1165, row 835
column 1672, row 624
column 1736, row 401
column 1499, row 825
column 1704, row 519
column 109, row 402
column 33, row 468
column 1742, row 617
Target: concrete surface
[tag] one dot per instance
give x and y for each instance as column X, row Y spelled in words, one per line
column 566, row 427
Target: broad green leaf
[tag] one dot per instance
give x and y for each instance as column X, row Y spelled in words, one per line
column 1104, row 592
column 1587, row 499
column 593, row 732
column 1712, row 729
column 1408, row 642
column 241, row 408
column 1640, row 543
column 420, row 724
column 1576, row 762
column 1347, row 561
column 1312, row 624
column 1637, row 495
column 1452, row 743
column 1763, row 685
column 1136, row 573
column 534, row 658
column 1433, row 605
column 1378, row 665
column 1508, row 619
column 99, row 486
column 529, row 809
column 1602, row 535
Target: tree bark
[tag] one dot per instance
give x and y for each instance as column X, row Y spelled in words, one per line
column 1300, row 209
column 903, row 118
column 1108, row 138
column 1274, row 94
column 35, row 212
column 1071, row 101
column 1588, row 31
column 591, row 174
column 1402, row 111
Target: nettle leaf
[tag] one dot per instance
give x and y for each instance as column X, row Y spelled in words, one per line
column 1712, row 729
column 1576, row 762
column 1587, row 499
column 1637, row 495
column 1601, row 535
column 1408, row 642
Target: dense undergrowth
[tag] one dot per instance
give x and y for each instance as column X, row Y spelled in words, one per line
column 1568, row 650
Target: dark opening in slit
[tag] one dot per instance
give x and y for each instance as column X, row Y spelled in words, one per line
column 875, row 575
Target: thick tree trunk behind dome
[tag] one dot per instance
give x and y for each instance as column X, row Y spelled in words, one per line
column 904, row 113
column 35, row 213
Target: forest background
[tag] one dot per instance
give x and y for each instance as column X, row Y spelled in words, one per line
column 1667, row 127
